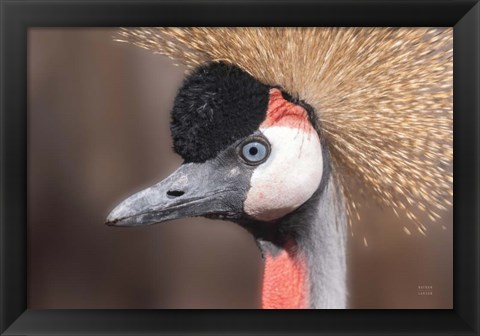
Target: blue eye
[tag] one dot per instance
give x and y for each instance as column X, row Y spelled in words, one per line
column 255, row 152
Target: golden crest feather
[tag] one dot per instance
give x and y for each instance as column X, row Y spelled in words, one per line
column 383, row 97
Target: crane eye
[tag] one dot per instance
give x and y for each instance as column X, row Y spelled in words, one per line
column 255, row 151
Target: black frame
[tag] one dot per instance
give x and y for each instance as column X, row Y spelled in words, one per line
column 16, row 16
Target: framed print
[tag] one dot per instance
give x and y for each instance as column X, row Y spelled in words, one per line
column 302, row 153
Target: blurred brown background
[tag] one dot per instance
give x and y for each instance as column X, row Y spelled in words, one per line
column 98, row 131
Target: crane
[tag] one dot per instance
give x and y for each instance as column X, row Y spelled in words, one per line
column 277, row 126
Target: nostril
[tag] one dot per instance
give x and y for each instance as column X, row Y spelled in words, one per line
column 175, row 193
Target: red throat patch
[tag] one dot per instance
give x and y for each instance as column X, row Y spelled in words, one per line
column 285, row 284
column 281, row 112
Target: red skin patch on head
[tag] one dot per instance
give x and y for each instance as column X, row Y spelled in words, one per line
column 284, row 283
column 281, row 112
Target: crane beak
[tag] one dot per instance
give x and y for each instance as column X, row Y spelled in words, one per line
column 194, row 189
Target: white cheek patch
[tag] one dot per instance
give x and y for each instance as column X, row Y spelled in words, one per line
column 289, row 177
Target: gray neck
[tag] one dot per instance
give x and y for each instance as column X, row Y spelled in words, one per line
column 325, row 249
column 319, row 228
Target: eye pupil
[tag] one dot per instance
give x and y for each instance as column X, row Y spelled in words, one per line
column 255, row 151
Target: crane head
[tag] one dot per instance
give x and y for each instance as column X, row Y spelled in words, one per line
column 251, row 152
